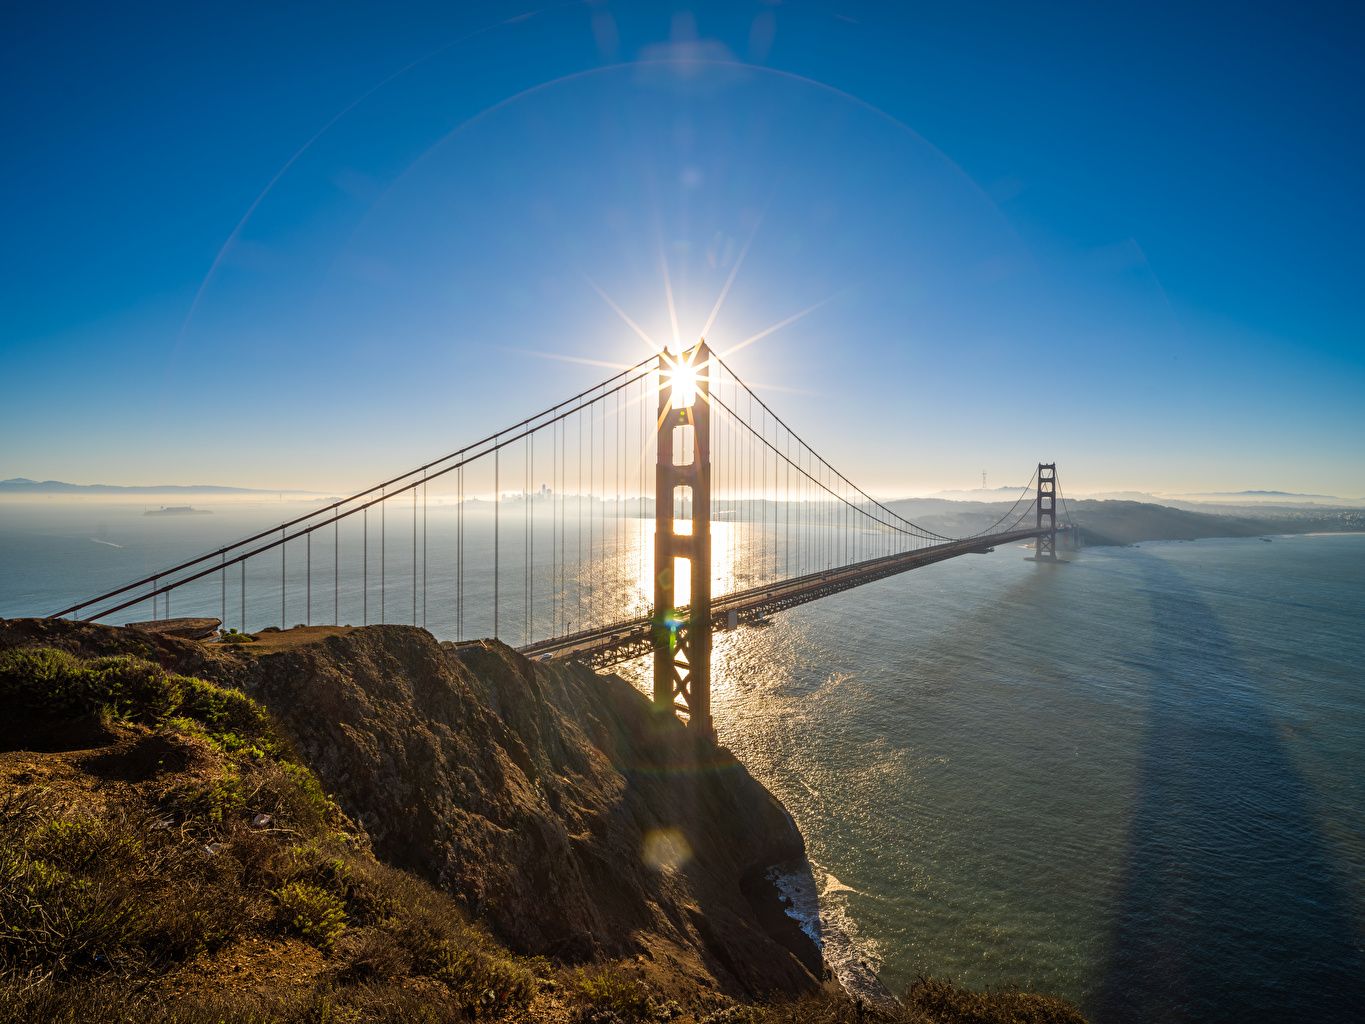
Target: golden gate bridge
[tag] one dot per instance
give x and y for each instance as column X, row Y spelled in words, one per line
column 678, row 503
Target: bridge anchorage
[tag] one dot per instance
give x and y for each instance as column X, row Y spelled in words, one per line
column 748, row 520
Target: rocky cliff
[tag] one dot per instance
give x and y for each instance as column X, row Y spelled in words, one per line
column 364, row 825
column 550, row 801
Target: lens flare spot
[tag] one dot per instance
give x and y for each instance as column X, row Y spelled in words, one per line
column 666, row 849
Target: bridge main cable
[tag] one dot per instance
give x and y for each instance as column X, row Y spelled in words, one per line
column 911, row 528
column 916, row 531
column 481, row 448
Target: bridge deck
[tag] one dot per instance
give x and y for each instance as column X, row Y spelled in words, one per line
column 632, row 638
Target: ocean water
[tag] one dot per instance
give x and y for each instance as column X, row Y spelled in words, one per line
column 1136, row 780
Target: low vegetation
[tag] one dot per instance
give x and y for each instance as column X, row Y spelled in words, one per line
column 186, row 867
column 131, row 873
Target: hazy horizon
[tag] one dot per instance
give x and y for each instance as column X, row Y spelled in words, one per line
column 207, row 494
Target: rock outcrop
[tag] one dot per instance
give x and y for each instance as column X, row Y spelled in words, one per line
column 568, row 815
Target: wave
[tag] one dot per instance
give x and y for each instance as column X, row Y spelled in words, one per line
column 825, row 917
column 833, row 885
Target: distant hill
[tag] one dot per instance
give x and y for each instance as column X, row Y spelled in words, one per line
column 1123, row 496
column 1228, row 500
column 1111, row 522
column 23, row 485
column 1286, row 498
column 979, row 494
column 1255, row 494
column 1127, row 522
column 1206, row 501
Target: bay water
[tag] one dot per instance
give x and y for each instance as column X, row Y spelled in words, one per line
column 1136, row 780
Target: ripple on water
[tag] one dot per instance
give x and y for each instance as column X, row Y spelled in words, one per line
column 1133, row 781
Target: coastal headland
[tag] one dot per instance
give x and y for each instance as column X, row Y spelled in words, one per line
column 369, row 824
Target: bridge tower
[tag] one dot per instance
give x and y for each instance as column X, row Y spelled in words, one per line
column 1045, row 545
column 682, row 639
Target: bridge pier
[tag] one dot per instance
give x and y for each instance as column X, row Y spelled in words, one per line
column 682, row 642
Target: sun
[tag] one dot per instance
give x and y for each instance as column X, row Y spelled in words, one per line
column 683, row 376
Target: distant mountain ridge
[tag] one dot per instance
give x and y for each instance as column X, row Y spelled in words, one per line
column 23, row 485
column 978, row 493
column 1258, row 494
column 1204, row 499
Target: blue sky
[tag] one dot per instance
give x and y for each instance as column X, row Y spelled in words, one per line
column 291, row 245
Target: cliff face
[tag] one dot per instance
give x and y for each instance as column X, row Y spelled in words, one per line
column 173, row 850
column 551, row 801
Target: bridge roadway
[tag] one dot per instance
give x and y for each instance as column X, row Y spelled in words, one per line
column 622, row 641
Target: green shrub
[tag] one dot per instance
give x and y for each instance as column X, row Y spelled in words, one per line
column 112, row 1003
column 45, row 679
column 946, row 1003
column 298, row 795
column 55, row 911
column 210, row 801
column 128, row 688
column 125, row 688
column 319, row 864
column 224, row 711
column 369, row 955
column 607, row 991
column 484, row 982
column 87, row 891
column 73, row 844
column 314, row 914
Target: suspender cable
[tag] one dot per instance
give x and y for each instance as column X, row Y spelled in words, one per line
column 617, row 476
column 530, row 534
column 424, row 549
column 383, row 538
column 414, row 556
column 578, row 565
column 497, row 505
column 542, row 415
column 590, row 576
column 459, row 554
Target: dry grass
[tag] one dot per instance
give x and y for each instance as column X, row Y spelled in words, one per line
column 193, row 833
column 193, row 871
column 927, row 1002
